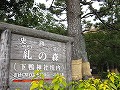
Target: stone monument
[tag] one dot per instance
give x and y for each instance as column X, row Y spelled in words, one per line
column 24, row 50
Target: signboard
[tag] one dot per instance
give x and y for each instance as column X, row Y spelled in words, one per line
column 29, row 53
column 24, row 50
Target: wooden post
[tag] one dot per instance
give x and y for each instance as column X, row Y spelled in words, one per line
column 4, row 59
column 69, row 60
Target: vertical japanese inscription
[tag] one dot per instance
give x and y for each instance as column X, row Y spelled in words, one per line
column 26, row 52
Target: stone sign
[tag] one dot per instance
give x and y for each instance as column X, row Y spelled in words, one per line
column 24, row 50
column 29, row 54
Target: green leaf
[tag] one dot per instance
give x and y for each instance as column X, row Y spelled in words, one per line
column 41, row 82
column 112, row 79
column 40, row 89
column 118, row 86
column 64, row 83
column 60, row 79
column 81, row 85
column 34, row 85
column 42, row 76
column 113, row 86
column 36, row 71
column 54, row 80
column 56, row 86
column 92, row 88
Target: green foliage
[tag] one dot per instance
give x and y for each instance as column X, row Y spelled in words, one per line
column 103, row 49
column 37, row 84
column 58, row 7
column 109, row 13
column 59, row 83
column 29, row 14
column 12, row 8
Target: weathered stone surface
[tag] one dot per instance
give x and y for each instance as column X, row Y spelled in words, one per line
column 24, row 50
column 4, row 59
column 34, row 33
column 37, row 49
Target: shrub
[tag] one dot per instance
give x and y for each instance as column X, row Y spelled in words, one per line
column 59, row 83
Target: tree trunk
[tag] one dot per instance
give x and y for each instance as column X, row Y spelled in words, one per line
column 75, row 30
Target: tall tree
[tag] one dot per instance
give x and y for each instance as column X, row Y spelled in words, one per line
column 75, row 30
column 74, row 12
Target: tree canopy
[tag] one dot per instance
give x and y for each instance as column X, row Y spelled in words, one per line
column 103, row 45
column 29, row 14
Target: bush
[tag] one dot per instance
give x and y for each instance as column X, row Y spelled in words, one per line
column 59, row 83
